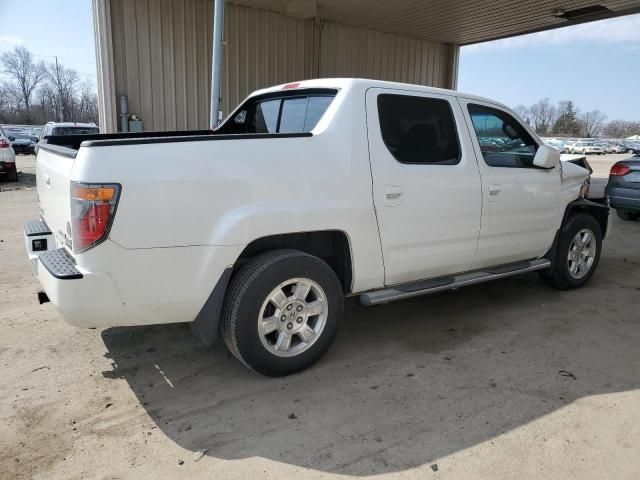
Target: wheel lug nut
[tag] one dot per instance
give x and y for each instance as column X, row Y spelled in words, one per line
column 289, row 307
column 289, row 326
column 283, row 318
column 299, row 319
column 299, row 308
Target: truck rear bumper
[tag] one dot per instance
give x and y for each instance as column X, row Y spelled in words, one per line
column 124, row 287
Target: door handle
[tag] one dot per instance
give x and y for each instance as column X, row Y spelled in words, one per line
column 494, row 191
column 47, row 180
column 393, row 195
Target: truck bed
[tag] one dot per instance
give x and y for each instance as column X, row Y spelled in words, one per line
column 68, row 145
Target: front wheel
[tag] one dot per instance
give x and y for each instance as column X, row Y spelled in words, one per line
column 577, row 254
column 627, row 215
column 282, row 312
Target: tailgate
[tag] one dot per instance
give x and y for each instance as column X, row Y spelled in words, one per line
column 53, row 177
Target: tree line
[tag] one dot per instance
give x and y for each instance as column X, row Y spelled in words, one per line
column 566, row 120
column 34, row 92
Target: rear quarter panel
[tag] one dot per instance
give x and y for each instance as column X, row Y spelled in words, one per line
column 231, row 192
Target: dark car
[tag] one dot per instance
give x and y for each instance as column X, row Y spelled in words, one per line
column 623, row 188
column 22, row 143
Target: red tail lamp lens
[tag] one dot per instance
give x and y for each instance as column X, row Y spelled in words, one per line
column 92, row 210
column 619, row 170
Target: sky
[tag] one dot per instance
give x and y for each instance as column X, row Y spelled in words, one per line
column 597, row 65
column 51, row 27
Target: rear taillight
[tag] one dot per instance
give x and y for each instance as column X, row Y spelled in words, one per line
column 619, row 170
column 93, row 207
column 4, row 143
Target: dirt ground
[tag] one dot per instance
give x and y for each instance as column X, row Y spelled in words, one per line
column 509, row 380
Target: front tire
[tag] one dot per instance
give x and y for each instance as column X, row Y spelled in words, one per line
column 627, row 215
column 282, row 312
column 577, row 253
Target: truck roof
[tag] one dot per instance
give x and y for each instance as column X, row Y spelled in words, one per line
column 364, row 83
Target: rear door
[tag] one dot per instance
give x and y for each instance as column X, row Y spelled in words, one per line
column 520, row 201
column 426, row 186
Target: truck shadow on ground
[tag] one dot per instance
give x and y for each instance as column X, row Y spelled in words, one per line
column 404, row 385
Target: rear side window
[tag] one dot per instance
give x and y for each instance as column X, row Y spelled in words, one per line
column 418, row 130
column 503, row 141
column 291, row 113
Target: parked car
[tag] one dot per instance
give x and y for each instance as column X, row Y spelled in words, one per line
column 586, row 147
column 8, row 169
column 307, row 193
column 623, row 188
column 559, row 145
column 66, row 129
column 22, row 143
column 619, row 148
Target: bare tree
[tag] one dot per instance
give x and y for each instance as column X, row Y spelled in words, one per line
column 27, row 74
column 524, row 113
column 621, row 129
column 592, row 123
column 64, row 82
column 543, row 116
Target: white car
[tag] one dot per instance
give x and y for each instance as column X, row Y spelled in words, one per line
column 307, row 193
column 8, row 169
column 585, row 148
column 65, row 129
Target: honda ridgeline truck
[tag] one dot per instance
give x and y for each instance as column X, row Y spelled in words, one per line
column 307, row 193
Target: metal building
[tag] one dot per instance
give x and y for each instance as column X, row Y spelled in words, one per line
column 158, row 53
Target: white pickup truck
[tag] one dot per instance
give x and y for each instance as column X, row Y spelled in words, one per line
column 307, row 193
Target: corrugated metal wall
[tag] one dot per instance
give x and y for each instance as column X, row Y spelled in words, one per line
column 162, row 57
column 356, row 52
column 262, row 49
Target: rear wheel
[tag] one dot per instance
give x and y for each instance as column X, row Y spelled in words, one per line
column 627, row 215
column 577, row 254
column 12, row 176
column 282, row 312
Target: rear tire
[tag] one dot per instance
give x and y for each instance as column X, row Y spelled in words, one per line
column 627, row 215
column 577, row 253
column 12, row 176
column 281, row 312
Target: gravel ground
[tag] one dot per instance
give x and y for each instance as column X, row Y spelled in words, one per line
column 503, row 380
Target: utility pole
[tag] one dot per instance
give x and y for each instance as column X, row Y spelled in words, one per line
column 60, row 118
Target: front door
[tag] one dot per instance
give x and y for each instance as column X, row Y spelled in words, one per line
column 520, row 201
column 426, row 185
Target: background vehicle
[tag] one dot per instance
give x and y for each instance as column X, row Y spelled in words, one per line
column 8, row 169
column 585, row 148
column 308, row 192
column 22, row 143
column 623, row 188
column 66, row 129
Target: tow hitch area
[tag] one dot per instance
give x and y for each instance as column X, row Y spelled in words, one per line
column 42, row 297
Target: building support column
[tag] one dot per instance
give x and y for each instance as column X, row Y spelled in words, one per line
column 216, row 62
column 107, row 113
column 453, row 64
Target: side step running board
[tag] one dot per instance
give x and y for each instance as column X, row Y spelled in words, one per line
column 427, row 287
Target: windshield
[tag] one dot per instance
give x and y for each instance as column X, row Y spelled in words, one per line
column 74, row 130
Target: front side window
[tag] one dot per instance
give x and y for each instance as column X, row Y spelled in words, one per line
column 418, row 130
column 503, row 141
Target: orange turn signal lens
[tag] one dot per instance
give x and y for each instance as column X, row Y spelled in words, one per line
column 93, row 194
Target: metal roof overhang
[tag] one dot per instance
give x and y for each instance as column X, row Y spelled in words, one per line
column 452, row 21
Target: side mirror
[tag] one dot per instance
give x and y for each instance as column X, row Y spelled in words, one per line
column 11, row 138
column 546, row 157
